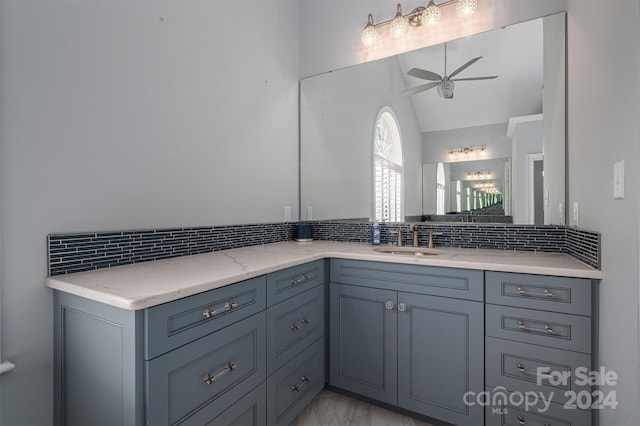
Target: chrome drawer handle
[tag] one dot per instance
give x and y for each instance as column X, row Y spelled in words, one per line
column 208, row 313
column 523, row 370
column 303, row 322
column 229, row 367
column 297, row 388
column 521, row 420
column 547, row 328
column 303, row 278
column 545, row 293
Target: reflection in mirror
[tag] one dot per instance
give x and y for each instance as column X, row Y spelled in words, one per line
column 515, row 123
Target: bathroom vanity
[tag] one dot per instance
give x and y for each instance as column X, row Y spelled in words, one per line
column 251, row 335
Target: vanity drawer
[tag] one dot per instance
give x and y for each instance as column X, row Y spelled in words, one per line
column 284, row 284
column 432, row 280
column 208, row 375
column 293, row 325
column 558, row 294
column 293, row 386
column 562, row 331
column 505, row 413
column 514, row 366
column 177, row 323
column 250, row 410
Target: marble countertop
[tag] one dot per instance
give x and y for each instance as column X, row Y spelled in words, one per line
column 148, row 284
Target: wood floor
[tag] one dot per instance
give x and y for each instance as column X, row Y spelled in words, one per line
column 332, row 409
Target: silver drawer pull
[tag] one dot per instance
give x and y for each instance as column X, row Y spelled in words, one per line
column 523, row 370
column 303, row 322
column 521, row 420
column 547, row 328
column 545, row 293
column 389, row 304
column 208, row 313
column 297, row 388
column 402, row 307
column 230, row 305
column 229, row 367
column 303, row 278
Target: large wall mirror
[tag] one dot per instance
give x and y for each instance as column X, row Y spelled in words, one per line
column 496, row 149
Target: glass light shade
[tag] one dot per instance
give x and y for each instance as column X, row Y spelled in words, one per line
column 399, row 24
column 466, row 8
column 445, row 88
column 431, row 15
column 369, row 34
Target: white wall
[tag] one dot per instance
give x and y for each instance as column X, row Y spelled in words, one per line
column 134, row 114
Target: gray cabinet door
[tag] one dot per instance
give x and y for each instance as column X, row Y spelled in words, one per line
column 363, row 347
column 440, row 356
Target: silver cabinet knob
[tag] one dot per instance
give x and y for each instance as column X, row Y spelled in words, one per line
column 402, row 307
column 389, row 305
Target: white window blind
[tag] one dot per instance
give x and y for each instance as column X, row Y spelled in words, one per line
column 388, row 171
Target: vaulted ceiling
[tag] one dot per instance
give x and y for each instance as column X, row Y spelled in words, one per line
column 513, row 53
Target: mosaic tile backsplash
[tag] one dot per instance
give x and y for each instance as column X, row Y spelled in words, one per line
column 70, row 253
column 84, row 252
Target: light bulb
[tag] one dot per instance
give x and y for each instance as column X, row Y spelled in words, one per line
column 369, row 34
column 466, row 8
column 399, row 24
column 431, row 15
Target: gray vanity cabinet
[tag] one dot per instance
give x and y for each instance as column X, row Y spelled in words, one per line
column 440, row 356
column 363, row 344
column 421, row 352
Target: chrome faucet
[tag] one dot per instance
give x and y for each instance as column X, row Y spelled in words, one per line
column 431, row 235
column 414, row 228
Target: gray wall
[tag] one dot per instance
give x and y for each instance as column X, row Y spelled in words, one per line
column 603, row 129
column 136, row 114
column 98, row 113
column 436, row 145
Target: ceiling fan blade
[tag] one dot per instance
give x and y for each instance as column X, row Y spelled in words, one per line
column 424, row 74
column 465, row 66
column 475, row 78
column 420, row 88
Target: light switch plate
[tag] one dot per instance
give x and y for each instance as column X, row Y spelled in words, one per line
column 618, row 180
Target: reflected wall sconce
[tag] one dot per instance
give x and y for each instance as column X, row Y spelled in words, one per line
column 428, row 16
column 478, row 175
column 468, row 153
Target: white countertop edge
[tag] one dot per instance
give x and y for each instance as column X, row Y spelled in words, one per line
column 297, row 254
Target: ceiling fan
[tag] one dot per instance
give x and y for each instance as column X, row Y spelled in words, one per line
column 444, row 84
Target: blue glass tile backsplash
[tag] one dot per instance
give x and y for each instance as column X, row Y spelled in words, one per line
column 70, row 253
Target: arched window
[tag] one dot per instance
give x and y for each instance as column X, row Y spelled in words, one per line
column 387, row 166
column 440, row 189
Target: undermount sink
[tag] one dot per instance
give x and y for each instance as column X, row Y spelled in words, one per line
column 411, row 251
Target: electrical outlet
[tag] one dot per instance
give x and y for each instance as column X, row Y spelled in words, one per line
column 287, row 213
column 576, row 214
column 618, row 180
column 546, row 197
column 561, row 213
column 309, row 213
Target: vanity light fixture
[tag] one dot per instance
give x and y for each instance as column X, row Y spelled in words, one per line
column 478, row 175
column 467, row 153
column 429, row 16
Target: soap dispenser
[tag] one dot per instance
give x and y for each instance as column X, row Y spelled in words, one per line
column 375, row 234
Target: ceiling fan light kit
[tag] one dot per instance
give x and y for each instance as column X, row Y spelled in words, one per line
column 429, row 16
